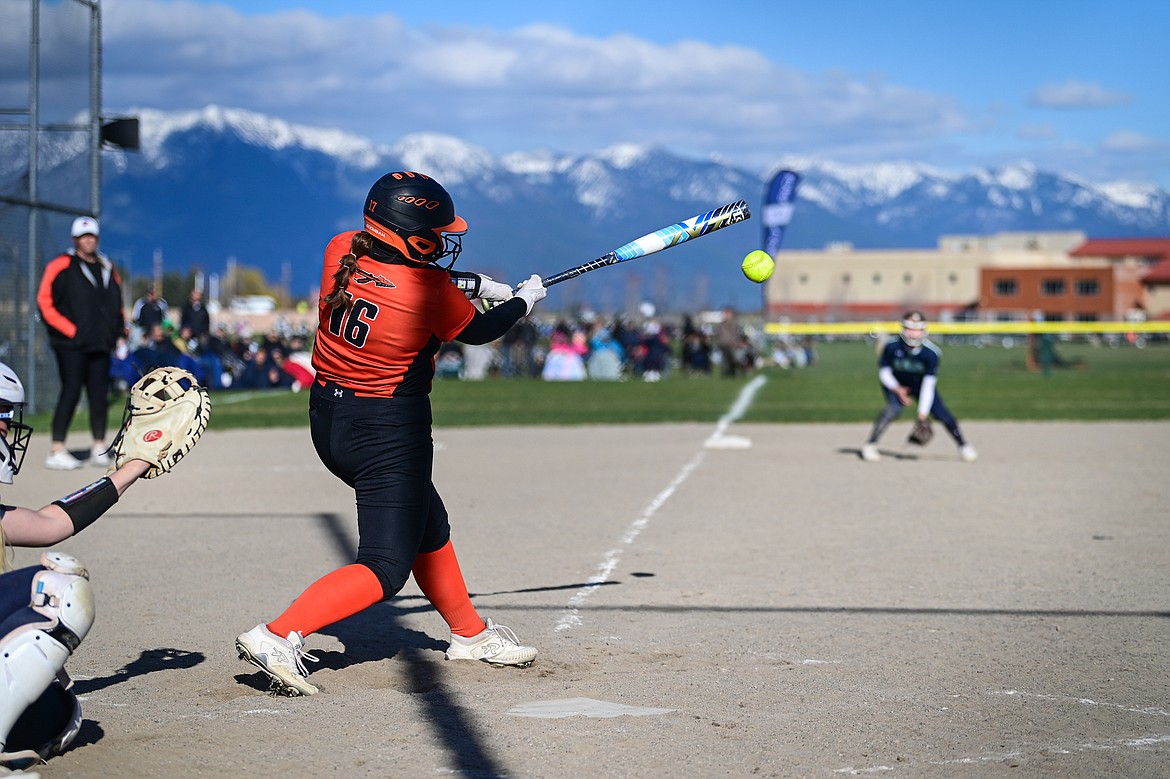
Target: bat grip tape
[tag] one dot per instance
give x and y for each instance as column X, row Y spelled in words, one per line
column 88, row 503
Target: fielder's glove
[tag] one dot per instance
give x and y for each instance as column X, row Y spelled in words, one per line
column 166, row 413
column 922, row 432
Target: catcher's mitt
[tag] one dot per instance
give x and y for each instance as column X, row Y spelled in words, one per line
column 922, row 432
column 166, row 412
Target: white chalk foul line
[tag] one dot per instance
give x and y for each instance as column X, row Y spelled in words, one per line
column 739, row 407
column 572, row 616
column 1145, row 742
column 1156, row 711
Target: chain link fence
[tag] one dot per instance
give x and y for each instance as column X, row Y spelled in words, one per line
column 48, row 91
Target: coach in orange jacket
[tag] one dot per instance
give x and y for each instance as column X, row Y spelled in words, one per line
column 80, row 300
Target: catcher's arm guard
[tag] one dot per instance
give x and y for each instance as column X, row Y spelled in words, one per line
column 922, row 432
column 166, row 413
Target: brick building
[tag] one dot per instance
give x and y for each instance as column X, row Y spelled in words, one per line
column 1001, row 277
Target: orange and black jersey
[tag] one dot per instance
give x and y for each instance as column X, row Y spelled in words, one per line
column 81, row 303
column 385, row 345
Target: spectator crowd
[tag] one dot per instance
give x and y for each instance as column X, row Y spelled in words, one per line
column 647, row 348
column 566, row 348
column 226, row 356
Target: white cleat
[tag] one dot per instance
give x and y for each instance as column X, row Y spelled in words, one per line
column 282, row 659
column 968, row 454
column 99, row 457
column 496, row 645
column 61, row 460
column 869, row 453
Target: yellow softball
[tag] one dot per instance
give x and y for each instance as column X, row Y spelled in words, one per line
column 758, row 266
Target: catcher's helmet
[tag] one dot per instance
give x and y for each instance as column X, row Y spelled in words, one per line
column 913, row 328
column 14, row 443
column 412, row 213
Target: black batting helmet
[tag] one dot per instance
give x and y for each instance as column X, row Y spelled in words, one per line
column 412, row 213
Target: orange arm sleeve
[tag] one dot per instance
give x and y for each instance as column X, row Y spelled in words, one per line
column 45, row 298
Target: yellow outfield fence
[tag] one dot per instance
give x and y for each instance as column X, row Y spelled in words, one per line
column 964, row 328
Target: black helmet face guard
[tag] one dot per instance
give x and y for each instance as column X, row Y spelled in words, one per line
column 452, row 247
column 14, row 445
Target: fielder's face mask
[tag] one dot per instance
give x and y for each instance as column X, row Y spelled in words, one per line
column 913, row 331
column 14, row 438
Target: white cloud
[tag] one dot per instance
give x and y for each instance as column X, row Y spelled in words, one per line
column 539, row 85
column 1129, row 142
column 542, row 86
column 1077, row 94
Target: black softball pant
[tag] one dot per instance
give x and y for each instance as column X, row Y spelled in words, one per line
column 82, row 369
column 382, row 448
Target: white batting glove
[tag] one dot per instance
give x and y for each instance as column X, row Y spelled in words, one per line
column 493, row 290
column 530, row 291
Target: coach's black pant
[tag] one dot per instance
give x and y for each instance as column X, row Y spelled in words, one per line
column 382, row 448
column 82, row 369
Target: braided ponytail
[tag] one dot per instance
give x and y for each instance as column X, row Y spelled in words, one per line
column 359, row 246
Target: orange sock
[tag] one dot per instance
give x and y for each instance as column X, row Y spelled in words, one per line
column 437, row 574
column 332, row 598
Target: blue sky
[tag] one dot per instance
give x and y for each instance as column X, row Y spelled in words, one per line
column 1073, row 86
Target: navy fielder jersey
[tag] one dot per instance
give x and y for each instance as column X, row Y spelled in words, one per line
column 910, row 365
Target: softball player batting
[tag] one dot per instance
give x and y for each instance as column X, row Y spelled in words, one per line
column 908, row 369
column 385, row 308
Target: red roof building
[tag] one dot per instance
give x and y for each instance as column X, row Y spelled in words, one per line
column 1147, row 251
column 1159, row 274
column 1146, row 259
column 1010, row 276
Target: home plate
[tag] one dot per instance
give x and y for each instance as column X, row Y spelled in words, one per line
column 728, row 442
column 581, row 707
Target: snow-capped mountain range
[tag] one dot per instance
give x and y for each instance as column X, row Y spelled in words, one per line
column 224, row 183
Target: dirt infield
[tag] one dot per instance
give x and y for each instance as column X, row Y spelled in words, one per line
column 784, row 610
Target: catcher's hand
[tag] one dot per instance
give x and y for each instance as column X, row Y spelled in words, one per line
column 922, row 432
column 166, row 413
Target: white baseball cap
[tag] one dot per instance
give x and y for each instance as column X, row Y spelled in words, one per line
column 84, row 225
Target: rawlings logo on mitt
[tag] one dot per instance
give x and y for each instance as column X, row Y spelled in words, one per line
column 922, row 432
column 166, row 412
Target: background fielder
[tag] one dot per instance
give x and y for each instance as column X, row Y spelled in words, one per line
column 908, row 369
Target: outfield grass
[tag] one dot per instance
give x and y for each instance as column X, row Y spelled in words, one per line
column 977, row 383
column 980, row 383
